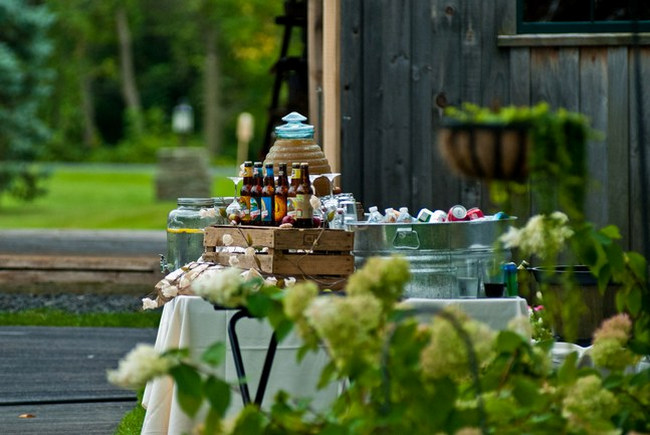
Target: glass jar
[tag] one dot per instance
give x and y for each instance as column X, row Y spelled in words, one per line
column 294, row 142
column 185, row 228
column 221, row 204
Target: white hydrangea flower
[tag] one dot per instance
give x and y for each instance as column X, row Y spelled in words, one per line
column 168, row 290
column 227, row 240
column 233, row 260
column 140, row 365
column 223, row 287
column 149, row 304
column 249, row 252
column 289, row 281
column 315, row 202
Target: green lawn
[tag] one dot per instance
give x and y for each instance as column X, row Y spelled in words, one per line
column 99, row 197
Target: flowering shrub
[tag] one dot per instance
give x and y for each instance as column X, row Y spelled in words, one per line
column 449, row 375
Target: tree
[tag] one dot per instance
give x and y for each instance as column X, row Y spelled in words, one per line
column 24, row 49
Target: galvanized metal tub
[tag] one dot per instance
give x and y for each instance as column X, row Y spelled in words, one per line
column 445, row 258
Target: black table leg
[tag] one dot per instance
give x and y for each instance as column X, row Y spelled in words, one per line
column 239, row 363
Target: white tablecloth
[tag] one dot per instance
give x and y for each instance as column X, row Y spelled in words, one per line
column 191, row 322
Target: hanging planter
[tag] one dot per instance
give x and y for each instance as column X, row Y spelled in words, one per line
column 512, row 143
column 486, row 151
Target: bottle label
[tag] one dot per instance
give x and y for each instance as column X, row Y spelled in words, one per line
column 248, row 171
column 280, row 209
column 245, row 206
column 291, row 206
column 255, row 210
column 303, row 206
column 267, row 209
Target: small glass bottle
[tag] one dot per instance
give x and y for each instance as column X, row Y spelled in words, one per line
column 291, row 194
column 185, row 228
column 268, row 197
column 256, row 194
column 245, row 193
column 304, row 191
column 281, row 191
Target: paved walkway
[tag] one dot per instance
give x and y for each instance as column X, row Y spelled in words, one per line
column 57, row 378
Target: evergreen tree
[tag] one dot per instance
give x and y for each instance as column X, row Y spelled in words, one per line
column 24, row 49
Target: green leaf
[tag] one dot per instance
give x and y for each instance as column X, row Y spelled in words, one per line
column 249, row 422
column 568, row 372
column 615, row 258
column 611, row 231
column 215, row 354
column 212, row 422
column 326, row 375
column 188, row 388
column 638, row 265
column 508, row 341
column 634, row 300
column 217, row 392
column 258, row 304
column 525, row 391
column 621, row 299
column 604, row 277
column 613, row 381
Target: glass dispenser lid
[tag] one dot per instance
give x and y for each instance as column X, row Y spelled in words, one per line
column 294, row 127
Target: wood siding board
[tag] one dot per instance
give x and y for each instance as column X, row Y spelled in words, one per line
column 640, row 119
column 422, row 143
column 446, row 89
column 554, row 77
column 551, row 79
column 395, row 179
column 520, row 95
column 618, row 140
column 520, row 76
column 472, row 76
column 495, row 69
column 373, row 100
column 352, row 125
column 593, row 103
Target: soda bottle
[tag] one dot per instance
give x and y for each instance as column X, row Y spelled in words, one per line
column 245, row 193
column 304, row 191
column 268, row 196
column 375, row 216
column 291, row 193
column 404, row 216
column 256, row 194
column 281, row 191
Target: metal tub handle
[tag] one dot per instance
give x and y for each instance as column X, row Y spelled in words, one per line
column 406, row 238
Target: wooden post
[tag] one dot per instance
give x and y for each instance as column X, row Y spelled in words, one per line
column 331, row 83
column 315, row 65
column 245, row 126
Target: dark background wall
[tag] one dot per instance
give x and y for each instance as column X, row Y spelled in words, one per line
column 403, row 61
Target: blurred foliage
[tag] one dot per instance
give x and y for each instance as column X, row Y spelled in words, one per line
column 24, row 49
column 169, row 61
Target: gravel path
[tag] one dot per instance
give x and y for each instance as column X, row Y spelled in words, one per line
column 74, row 303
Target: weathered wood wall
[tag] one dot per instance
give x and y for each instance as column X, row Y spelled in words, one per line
column 403, row 61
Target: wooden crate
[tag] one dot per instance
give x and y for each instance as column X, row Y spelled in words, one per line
column 321, row 255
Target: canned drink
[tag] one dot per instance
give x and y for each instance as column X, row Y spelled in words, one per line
column 475, row 213
column 439, row 216
column 457, row 213
column 425, row 215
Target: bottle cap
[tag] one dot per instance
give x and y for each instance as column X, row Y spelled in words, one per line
column 294, row 127
column 373, row 209
column 403, row 209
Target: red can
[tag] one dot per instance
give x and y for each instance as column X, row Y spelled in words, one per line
column 474, row 213
column 457, row 213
